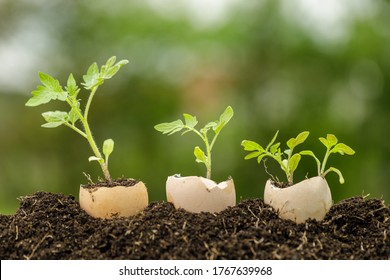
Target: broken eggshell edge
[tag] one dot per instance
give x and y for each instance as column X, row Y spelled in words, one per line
column 308, row 199
column 111, row 202
column 198, row 194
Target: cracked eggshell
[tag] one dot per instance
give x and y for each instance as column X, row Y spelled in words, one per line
column 310, row 198
column 199, row 194
column 111, row 202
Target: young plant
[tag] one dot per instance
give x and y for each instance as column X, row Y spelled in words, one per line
column 52, row 90
column 332, row 147
column 189, row 125
column 287, row 160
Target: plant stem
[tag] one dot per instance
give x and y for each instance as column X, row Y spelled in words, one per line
column 324, row 161
column 91, row 141
column 208, row 151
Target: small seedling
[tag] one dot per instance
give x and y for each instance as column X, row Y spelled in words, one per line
column 332, row 147
column 289, row 161
column 189, row 125
column 52, row 90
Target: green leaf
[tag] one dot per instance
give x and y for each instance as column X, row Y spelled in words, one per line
column 73, row 115
column 54, row 119
column 170, row 128
column 253, row 155
column 92, row 78
column 208, row 126
column 51, row 90
column 108, row 70
column 224, row 119
column 341, row 178
column 71, row 87
column 190, row 121
column 200, row 155
column 293, row 142
column 93, row 158
column 263, row 155
column 325, row 142
column 293, row 162
column 272, row 141
column 108, row 147
column 251, row 146
column 332, row 139
column 274, row 148
column 341, row 148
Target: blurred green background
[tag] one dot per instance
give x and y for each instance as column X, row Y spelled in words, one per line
column 282, row 65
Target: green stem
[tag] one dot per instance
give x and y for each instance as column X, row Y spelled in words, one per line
column 208, row 151
column 324, row 161
column 90, row 139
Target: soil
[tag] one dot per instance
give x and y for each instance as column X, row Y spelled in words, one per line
column 52, row 226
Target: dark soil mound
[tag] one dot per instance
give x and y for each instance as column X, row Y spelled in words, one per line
column 52, row 226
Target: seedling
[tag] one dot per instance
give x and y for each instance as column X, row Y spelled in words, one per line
column 289, row 161
column 332, row 147
column 52, row 90
column 189, row 125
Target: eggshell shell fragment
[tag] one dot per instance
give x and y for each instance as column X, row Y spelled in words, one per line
column 199, row 194
column 310, row 198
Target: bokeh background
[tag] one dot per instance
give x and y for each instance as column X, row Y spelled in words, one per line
column 282, row 65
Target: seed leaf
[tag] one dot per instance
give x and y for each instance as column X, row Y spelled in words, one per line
column 332, row 139
column 341, row 148
column 108, row 147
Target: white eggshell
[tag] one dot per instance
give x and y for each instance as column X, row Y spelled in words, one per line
column 310, row 198
column 198, row 194
column 111, row 202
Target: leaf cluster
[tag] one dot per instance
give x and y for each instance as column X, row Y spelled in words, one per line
column 51, row 89
column 189, row 125
column 289, row 161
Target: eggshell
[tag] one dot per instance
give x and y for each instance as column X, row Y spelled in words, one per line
column 110, row 202
column 310, row 198
column 199, row 194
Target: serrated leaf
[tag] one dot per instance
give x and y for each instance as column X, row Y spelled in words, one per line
column 332, row 139
column 108, row 147
column 71, row 87
column 55, row 118
column 51, row 90
column 224, row 119
column 170, row 128
column 200, row 155
column 341, row 148
column 108, row 70
column 52, row 124
column 293, row 162
column 92, row 78
column 73, row 116
column 251, row 146
column 190, row 120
